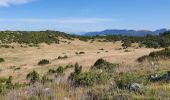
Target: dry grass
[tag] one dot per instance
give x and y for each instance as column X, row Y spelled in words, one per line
column 27, row 58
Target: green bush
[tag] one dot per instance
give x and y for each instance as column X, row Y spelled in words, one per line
column 87, row 78
column 2, row 60
column 64, row 57
column 104, row 66
column 33, row 77
column 79, row 53
column 51, row 71
column 124, row 79
column 6, row 84
column 91, row 78
column 165, row 53
column 32, row 37
column 60, row 70
column 45, row 79
column 43, row 62
column 126, row 43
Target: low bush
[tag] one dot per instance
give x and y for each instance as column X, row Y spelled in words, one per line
column 101, row 49
column 104, row 66
column 165, row 53
column 45, row 79
column 59, row 70
column 2, row 60
column 64, row 57
column 90, row 78
column 124, row 79
column 43, row 62
column 126, row 43
column 33, row 77
column 79, row 53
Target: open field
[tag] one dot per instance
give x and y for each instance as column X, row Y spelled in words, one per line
column 21, row 59
column 26, row 58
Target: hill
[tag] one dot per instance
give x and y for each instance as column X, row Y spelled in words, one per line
column 34, row 37
column 126, row 32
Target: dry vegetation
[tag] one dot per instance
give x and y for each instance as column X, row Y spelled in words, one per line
column 20, row 60
column 26, row 58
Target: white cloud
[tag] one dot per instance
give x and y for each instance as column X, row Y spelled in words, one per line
column 6, row 3
column 61, row 20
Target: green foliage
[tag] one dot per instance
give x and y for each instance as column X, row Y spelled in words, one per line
column 165, row 53
column 104, row 66
column 78, row 69
column 64, row 57
column 6, row 83
column 6, row 46
column 45, row 79
column 69, row 66
column 151, row 44
column 126, row 43
column 34, row 37
column 2, row 60
column 60, row 70
column 33, row 77
column 124, row 79
column 43, row 62
column 90, row 78
column 79, row 53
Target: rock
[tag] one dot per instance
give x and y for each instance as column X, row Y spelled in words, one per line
column 156, row 77
column 136, row 87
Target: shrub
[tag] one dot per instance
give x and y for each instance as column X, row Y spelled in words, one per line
column 79, row 53
column 60, row 70
column 45, row 79
column 77, row 71
column 124, row 79
column 88, row 78
column 151, row 44
column 9, row 84
column 2, row 60
column 91, row 78
column 18, row 68
column 64, row 57
column 43, row 62
column 165, row 53
column 51, row 71
column 101, row 49
column 78, row 68
column 104, row 66
column 33, row 77
column 126, row 44
column 69, row 66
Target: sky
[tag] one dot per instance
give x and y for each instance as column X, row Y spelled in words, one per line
column 84, row 15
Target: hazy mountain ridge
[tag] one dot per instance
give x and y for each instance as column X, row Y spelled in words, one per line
column 126, row 32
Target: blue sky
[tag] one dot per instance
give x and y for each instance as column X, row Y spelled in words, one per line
column 84, row 15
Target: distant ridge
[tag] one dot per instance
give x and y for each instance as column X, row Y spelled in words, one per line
column 126, row 32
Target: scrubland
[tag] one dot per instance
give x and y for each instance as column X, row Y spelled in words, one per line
column 82, row 69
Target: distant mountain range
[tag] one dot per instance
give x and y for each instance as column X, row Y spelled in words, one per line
column 126, row 32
